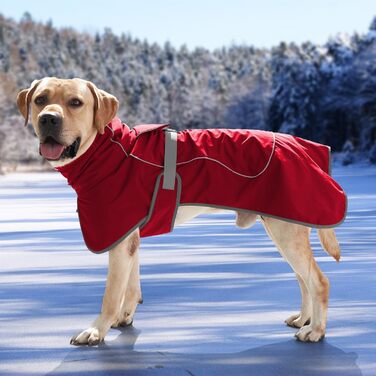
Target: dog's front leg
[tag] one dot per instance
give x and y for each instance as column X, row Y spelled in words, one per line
column 132, row 297
column 121, row 261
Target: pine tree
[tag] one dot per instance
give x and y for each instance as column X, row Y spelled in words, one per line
column 324, row 93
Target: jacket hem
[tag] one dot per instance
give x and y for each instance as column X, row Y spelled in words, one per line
column 113, row 245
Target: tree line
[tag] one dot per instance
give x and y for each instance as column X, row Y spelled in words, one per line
column 326, row 93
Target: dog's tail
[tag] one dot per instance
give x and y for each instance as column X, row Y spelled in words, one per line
column 329, row 242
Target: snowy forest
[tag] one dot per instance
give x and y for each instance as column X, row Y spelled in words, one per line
column 325, row 93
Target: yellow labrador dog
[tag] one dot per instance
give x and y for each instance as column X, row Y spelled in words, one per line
column 72, row 112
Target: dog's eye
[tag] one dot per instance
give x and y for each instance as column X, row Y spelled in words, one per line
column 42, row 99
column 75, row 102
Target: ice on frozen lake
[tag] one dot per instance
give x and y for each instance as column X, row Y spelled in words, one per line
column 215, row 296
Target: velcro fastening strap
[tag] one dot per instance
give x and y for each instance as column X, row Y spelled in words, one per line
column 169, row 173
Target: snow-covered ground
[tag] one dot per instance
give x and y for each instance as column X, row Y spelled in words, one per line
column 215, row 297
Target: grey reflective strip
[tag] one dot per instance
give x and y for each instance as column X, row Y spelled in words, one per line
column 169, row 173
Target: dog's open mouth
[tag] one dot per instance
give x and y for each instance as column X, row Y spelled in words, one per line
column 53, row 150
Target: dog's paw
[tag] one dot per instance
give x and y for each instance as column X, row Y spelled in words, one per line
column 125, row 321
column 308, row 334
column 89, row 337
column 297, row 321
column 128, row 311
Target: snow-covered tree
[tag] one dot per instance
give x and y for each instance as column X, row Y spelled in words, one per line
column 324, row 93
column 296, row 83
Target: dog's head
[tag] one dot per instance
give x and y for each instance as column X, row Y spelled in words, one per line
column 66, row 115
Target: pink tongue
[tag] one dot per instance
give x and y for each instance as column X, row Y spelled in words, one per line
column 51, row 150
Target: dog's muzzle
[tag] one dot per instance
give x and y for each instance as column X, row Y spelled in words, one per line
column 50, row 129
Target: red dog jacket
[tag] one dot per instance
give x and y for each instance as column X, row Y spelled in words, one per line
column 139, row 177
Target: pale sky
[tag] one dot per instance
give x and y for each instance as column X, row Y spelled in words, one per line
column 205, row 23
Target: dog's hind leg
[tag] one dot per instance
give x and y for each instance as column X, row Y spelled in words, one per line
column 132, row 296
column 292, row 240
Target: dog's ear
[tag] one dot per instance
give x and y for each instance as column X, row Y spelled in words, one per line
column 24, row 98
column 105, row 107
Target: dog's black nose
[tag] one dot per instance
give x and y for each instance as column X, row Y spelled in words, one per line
column 52, row 120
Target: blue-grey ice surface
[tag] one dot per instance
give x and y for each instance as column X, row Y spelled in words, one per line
column 215, row 297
